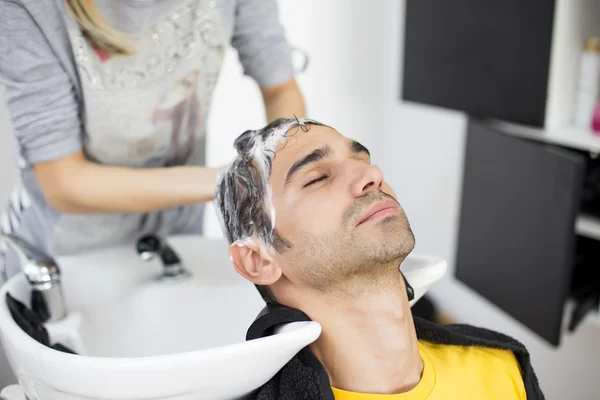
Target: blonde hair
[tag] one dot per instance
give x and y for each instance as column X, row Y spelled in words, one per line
column 96, row 29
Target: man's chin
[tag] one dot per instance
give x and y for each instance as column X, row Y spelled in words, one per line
column 396, row 225
column 395, row 238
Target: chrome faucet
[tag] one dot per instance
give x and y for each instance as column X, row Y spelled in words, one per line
column 149, row 246
column 43, row 275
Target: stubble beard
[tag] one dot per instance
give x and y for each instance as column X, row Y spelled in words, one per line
column 353, row 259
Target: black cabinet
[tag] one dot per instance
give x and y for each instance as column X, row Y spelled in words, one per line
column 516, row 244
column 487, row 58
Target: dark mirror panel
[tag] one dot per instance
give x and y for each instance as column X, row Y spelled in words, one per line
column 487, row 58
column 516, row 236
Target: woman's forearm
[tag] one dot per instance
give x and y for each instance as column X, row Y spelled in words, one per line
column 284, row 101
column 76, row 185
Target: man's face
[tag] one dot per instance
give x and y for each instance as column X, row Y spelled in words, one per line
column 334, row 207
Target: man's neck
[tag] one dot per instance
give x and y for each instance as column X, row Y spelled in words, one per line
column 368, row 343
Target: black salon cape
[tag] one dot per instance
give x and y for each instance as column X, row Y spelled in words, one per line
column 305, row 378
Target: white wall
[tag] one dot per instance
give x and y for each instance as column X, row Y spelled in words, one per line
column 8, row 177
column 8, row 169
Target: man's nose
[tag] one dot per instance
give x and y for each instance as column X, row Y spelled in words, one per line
column 368, row 178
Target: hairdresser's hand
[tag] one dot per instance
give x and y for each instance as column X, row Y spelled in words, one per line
column 74, row 184
column 212, row 174
column 283, row 101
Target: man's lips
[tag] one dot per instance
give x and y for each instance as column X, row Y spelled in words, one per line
column 379, row 210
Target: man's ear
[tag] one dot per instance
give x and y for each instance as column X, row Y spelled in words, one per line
column 254, row 263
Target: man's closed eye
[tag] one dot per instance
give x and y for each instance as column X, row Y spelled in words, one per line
column 319, row 179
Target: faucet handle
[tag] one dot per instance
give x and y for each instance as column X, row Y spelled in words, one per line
column 148, row 246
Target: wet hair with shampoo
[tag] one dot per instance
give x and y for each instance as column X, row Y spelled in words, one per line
column 243, row 193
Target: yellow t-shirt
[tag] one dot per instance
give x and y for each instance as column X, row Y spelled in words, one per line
column 457, row 372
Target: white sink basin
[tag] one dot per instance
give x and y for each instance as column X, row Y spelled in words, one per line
column 139, row 338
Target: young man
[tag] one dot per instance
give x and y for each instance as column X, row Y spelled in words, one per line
column 314, row 225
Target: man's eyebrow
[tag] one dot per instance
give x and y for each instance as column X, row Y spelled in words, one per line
column 313, row 157
column 357, row 148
